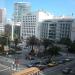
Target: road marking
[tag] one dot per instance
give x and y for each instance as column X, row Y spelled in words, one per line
column 3, row 65
column 5, row 69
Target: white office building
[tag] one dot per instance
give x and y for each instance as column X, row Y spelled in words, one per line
column 57, row 28
column 21, row 8
column 31, row 23
column 2, row 19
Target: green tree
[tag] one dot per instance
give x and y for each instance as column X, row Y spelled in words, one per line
column 66, row 41
column 53, row 51
column 32, row 41
column 46, row 43
column 72, row 47
column 3, row 41
column 16, row 41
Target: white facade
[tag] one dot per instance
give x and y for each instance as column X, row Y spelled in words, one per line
column 31, row 22
column 2, row 19
column 55, row 29
column 20, row 8
column 73, row 31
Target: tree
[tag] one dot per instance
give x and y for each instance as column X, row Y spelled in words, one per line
column 46, row 43
column 65, row 41
column 32, row 41
column 72, row 47
column 16, row 41
column 3, row 41
column 53, row 51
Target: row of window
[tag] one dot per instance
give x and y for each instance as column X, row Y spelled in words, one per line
column 29, row 21
column 29, row 31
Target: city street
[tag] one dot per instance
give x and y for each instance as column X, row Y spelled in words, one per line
column 57, row 70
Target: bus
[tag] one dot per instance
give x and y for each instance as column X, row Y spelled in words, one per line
column 28, row 71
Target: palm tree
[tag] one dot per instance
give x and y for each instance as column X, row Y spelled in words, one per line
column 32, row 41
column 67, row 42
column 72, row 47
column 46, row 43
column 16, row 41
column 53, row 51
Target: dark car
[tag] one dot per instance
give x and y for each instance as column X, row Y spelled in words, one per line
column 61, row 62
column 40, row 65
column 67, row 71
column 33, row 64
column 11, row 52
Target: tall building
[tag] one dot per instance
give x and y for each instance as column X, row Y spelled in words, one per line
column 31, row 22
column 2, row 19
column 20, row 8
column 8, row 30
column 57, row 28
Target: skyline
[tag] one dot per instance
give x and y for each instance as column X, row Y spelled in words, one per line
column 56, row 7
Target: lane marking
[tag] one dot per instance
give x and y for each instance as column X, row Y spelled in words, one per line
column 5, row 69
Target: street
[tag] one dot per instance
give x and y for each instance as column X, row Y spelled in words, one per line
column 57, row 70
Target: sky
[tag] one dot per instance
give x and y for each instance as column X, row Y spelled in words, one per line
column 56, row 7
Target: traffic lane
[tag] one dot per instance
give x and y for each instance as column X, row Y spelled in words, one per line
column 58, row 68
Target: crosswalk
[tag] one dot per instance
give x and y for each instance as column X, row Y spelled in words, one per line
column 4, row 70
column 9, row 63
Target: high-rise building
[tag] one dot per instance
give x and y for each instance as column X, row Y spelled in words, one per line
column 57, row 28
column 31, row 22
column 21, row 8
column 8, row 29
column 2, row 19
